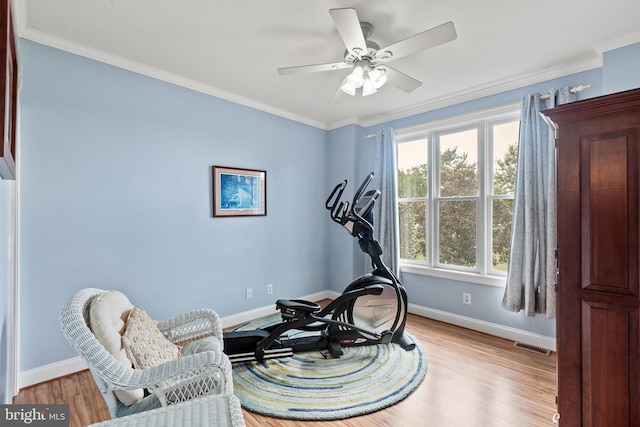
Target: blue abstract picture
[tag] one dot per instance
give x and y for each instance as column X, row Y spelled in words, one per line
column 239, row 191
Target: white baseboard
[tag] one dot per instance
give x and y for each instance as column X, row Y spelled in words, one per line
column 76, row 364
column 495, row 329
column 51, row 371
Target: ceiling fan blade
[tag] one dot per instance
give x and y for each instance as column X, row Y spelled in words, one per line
column 348, row 26
column 427, row 39
column 400, row 80
column 312, row 68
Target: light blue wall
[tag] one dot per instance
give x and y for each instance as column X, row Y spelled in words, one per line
column 621, row 69
column 116, row 194
column 6, row 316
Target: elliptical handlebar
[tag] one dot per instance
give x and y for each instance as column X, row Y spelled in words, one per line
column 360, row 192
column 342, row 212
column 335, row 206
column 356, row 199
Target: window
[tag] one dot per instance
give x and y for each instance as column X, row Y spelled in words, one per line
column 456, row 181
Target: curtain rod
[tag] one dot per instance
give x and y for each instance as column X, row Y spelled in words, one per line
column 572, row 90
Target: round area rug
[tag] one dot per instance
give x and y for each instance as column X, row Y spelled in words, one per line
column 308, row 386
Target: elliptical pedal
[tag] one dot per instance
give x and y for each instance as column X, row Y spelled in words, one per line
column 335, row 349
column 268, row 354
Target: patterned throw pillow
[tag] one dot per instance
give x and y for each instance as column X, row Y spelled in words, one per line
column 144, row 343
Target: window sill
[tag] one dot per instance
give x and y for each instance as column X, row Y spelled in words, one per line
column 497, row 281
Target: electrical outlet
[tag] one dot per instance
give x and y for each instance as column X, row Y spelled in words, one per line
column 466, row 298
column 269, row 288
column 249, row 293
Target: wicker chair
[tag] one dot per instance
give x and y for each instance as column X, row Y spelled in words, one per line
column 179, row 380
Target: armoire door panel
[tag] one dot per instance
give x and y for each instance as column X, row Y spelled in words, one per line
column 609, row 211
column 609, row 345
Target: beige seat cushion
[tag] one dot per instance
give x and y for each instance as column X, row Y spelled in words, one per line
column 107, row 315
column 143, row 342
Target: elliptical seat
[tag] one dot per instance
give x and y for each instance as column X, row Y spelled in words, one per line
column 295, row 309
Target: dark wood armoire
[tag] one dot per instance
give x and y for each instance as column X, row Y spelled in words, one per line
column 598, row 288
column 8, row 92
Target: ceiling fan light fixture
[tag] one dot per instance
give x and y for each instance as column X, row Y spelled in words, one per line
column 356, row 78
column 364, row 76
column 368, row 88
column 378, row 77
column 375, row 73
column 348, row 88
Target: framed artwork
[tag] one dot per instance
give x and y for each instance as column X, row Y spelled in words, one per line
column 239, row 192
column 8, row 92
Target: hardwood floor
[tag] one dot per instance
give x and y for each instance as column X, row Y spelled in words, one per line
column 473, row 380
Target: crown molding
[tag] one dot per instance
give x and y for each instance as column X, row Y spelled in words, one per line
column 481, row 91
column 136, row 67
column 618, row 42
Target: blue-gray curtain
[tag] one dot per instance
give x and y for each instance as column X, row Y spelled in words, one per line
column 386, row 212
column 532, row 265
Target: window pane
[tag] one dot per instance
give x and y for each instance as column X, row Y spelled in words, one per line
column 458, row 164
column 505, row 157
column 457, row 233
column 412, row 169
column 502, row 213
column 413, row 220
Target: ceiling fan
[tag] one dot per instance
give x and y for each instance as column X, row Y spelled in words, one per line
column 368, row 61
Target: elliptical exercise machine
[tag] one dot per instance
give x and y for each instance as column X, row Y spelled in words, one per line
column 371, row 310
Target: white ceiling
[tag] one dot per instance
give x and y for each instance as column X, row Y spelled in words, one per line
column 232, row 48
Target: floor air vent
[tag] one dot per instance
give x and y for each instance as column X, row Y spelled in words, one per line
column 533, row 348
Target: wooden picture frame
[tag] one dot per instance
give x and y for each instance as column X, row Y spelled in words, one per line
column 8, row 92
column 239, row 192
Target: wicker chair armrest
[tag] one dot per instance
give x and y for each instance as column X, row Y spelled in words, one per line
column 191, row 385
column 211, row 368
column 192, row 326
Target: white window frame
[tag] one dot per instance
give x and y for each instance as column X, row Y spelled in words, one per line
column 480, row 120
